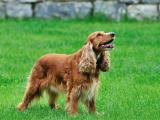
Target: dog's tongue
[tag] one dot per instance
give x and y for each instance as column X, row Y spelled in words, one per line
column 107, row 46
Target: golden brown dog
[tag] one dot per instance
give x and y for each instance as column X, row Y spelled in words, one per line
column 75, row 74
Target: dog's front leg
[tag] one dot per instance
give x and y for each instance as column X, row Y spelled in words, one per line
column 74, row 97
column 91, row 105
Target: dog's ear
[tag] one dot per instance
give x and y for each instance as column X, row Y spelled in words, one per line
column 87, row 63
column 103, row 62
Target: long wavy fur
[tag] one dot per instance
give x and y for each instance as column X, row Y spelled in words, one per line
column 88, row 60
column 103, row 61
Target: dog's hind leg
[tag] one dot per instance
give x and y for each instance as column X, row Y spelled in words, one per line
column 53, row 95
column 32, row 92
column 34, row 88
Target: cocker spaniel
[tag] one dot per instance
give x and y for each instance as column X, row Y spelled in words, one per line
column 76, row 74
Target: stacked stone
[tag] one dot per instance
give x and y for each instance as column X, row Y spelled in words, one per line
column 142, row 9
column 2, row 10
column 63, row 10
column 69, row 9
column 44, row 9
column 110, row 9
column 16, row 8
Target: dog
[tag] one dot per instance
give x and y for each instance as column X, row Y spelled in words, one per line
column 76, row 75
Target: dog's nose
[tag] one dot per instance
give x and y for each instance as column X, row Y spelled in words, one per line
column 112, row 34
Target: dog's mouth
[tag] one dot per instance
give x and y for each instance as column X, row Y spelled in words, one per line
column 107, row 44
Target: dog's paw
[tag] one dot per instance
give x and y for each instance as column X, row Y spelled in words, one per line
column 73, row 113
column 21, row 107
column 55, row 106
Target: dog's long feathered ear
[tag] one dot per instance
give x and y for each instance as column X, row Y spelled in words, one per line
column 87, row 63
column 103, row 61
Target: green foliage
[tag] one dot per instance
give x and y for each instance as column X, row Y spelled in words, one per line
column 130, row 90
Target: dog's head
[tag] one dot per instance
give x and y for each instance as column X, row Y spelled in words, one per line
column 97, row 44
column 101, row 41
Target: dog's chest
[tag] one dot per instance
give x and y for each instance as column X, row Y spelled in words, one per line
column 90, row 92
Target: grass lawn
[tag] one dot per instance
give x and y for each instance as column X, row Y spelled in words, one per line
column 129, row 91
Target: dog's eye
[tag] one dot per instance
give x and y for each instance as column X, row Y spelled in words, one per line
column 99, row 34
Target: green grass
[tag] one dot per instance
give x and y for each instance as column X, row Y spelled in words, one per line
column 129, row 91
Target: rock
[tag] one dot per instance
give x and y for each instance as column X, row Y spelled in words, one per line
column 29, row 1
column 83, row 9
column 130, row 1
column 71, row 0
column 23, row 1
column 63, row 10
column 2, row 10
column 14, row 9
column 111, row 9
column 141, row 12
column 159, row 12
column 151, row 1
column 9, row 0
column 51, row 9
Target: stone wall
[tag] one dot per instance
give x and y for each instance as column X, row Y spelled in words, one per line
column 68, row 9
